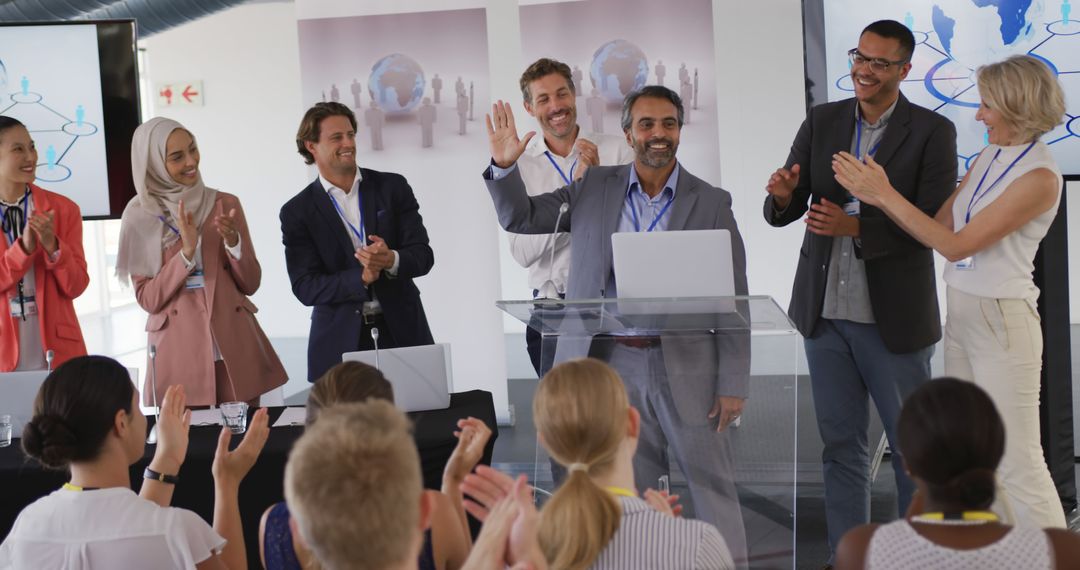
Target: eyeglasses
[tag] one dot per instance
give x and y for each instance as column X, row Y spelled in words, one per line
column 877, row 64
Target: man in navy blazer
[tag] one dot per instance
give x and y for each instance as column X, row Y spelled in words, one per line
column 354, row 241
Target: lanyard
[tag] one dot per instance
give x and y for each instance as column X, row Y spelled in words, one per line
column 980, row 516
column 359, row 233
column 165, row 221
column 633, row 210
column 565, row 178
column 975, row 196
column 858, row 140
column 620, row 492
column 13, row 227
column 70, row 487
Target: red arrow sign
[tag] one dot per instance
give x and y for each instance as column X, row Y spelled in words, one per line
column 188, row 93
column 167, row 94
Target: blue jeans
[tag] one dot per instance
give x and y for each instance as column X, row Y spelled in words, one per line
column 848, row 362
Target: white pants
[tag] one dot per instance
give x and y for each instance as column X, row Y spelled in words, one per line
column 997, row 344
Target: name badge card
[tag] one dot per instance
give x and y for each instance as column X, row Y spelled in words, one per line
column 966, row 264
column 196, row 280
column 852, row 207
column 27, row 307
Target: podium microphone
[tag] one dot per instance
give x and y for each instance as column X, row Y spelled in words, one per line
column 49, row 355
column 152, row 437
column 549, row 285
column 375, row 339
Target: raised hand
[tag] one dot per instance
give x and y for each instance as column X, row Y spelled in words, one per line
column 782, row 185
column 172, row 431
column 189, row 232
column 227, row 226
column 588, row 155
column 506, row 147
column 230, row 467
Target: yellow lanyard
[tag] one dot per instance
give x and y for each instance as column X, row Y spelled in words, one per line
column 985, row 516
column 620, row 492
column 70, row 487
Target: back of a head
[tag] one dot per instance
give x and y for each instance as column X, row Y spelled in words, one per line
column 75, row 409
column 581, row 411
column 353, row 485
column 347, row 382
column 952, row 437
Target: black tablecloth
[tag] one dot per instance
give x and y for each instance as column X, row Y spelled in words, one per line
column 22, row 481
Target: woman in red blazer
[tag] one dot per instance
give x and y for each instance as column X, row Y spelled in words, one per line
column 187, row 249
column 42, row 267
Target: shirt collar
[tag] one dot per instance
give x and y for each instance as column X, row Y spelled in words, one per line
column 538, row 146
column 671, row 184
column 883, row 120
column 327, row 185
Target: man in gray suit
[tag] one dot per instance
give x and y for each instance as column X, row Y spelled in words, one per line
column 688, row 387
column 864, row 296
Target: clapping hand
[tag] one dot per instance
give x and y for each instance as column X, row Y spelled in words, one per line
column 588, row 155
column 189, row 232
column 510, row 533
column 782, row 185
column 227, row 226
column 506, row 147
column 868, row 182
column 172, row 431
column 663, row 503
column 473, row 436
column 829, row 219
column 39, row 229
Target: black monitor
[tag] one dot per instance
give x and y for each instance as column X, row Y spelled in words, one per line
column 75, row 86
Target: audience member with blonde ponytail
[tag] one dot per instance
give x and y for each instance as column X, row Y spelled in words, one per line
column 596, row 518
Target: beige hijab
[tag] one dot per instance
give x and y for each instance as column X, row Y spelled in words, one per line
column 143, row 234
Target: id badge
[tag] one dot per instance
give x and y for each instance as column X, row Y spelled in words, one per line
column 28, row 305
column 966, row 264
column 851, row 207
column 196, row 280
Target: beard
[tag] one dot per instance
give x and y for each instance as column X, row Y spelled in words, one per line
column 655, row 158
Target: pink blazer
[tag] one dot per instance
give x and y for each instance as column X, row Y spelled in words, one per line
column 57, row 284
column 181, row 320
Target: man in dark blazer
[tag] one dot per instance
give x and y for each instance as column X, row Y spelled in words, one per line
column 688, row 387
column 864, row 297
column 354, row 241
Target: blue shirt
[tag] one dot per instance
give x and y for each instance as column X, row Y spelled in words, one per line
column 647, row 210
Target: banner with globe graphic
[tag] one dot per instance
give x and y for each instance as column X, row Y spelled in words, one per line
column 954, row 38
column 613, row 49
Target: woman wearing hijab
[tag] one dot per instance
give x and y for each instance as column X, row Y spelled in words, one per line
column 187, row 249
column 42, row 266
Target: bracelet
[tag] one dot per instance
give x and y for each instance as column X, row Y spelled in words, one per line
column 155, row 476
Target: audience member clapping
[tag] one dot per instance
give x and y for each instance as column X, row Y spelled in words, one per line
column 596, row 519
column 952, row 440
column 87, row 418
column 446, row 543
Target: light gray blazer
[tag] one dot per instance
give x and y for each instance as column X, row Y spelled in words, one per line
column 596, row 202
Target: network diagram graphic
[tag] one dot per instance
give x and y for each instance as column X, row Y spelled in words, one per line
column 952, row 89
column 58, row 132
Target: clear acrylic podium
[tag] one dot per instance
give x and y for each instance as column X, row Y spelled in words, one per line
column 676, row 356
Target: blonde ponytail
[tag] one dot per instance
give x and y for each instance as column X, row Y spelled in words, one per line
column 580, row 412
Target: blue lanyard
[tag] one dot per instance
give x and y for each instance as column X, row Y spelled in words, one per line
column 858, row 140
column 165, row 221
column 359, row 233
column 10, row 231
column 656, row 220
column 565, row 178
column 975, row 196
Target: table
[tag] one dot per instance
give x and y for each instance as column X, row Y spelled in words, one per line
column 23, row 480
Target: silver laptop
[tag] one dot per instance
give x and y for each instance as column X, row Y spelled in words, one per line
column 420, row 375
column 656, row 265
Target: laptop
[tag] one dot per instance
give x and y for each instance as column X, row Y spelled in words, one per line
column 420, row 375
column 675, row 264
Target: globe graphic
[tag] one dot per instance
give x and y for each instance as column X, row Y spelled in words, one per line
column 978, row 32
column 397, row 83
column 618, row 68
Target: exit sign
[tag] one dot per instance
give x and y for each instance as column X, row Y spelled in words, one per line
column 179, row 94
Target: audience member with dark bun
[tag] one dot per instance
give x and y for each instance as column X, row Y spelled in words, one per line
column 446, row 543
column 952, row 440
column 87, row 419
column 596, row 519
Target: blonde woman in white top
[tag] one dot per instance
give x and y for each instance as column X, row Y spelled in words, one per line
column 989, row 230
column 596, row 518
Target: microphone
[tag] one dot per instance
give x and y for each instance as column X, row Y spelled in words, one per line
column 549, row 285
column 375, row 339
column 152, row 437
column 49, row 355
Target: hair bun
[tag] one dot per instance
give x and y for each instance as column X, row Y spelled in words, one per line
column 50, row 440
column 974, row 488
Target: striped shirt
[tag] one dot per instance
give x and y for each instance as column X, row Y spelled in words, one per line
column 650, row 540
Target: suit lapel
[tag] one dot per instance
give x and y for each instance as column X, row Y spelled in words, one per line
column 614, row 202
column 841, row 141
column 896, row 131
column 212, row 248
column 330, row 217
column 685, row 197
column 369, row 206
